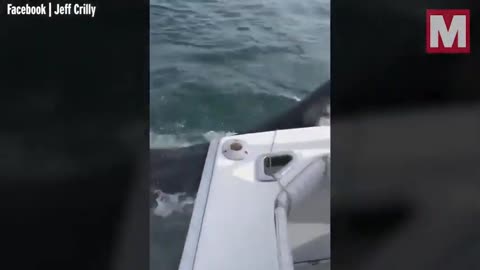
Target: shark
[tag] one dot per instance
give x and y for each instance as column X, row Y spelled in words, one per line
column 178, row 170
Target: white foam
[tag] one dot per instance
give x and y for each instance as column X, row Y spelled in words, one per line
column 184, row 140
column 168, row 204
column 166, row 141
column 211, row 135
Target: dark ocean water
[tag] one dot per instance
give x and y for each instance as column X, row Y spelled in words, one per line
column 223, row 65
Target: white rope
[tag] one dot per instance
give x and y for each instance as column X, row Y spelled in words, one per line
column 280, row 213
column 282, row 187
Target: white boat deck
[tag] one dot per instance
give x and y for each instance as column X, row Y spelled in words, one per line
column 233, row 225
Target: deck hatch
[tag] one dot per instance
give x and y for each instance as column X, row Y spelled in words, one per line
column 274, row 164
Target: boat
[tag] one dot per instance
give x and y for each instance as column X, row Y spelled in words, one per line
column 263, row 203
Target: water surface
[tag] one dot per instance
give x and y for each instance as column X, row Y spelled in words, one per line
column 221, row 66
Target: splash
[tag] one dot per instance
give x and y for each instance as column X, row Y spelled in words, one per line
column 184, row 140
column 167, row 204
